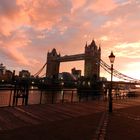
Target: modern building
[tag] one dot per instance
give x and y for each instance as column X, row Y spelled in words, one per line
column 103, row 79
column 5, row 75
column 76, row 73
column 68, row 79
column 24, row 74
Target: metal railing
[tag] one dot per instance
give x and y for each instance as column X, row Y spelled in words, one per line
column 36, row 96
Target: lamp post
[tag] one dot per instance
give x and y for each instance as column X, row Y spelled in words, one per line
column 111, row 58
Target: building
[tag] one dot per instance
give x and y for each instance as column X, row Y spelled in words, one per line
column 103, row 79
column 5, row 75
column 68, row 79
column 2, row 69
column 24, row 74
column 76, row 73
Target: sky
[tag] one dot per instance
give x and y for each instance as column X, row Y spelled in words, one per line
column 31, row 28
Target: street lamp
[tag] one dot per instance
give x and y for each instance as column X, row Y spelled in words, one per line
column 111, row 58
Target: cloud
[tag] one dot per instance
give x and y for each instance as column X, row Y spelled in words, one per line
column 76, row 4
column 45, row 14
column 31, row 28
column 133, row 66
column 8, row 7
column 101, row 6
column 133, row 45
column 128, row 50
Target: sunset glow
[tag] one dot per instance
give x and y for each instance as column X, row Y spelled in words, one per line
column 31, row 28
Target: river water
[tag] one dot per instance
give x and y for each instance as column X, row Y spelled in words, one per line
column 42, row 97
column 36, row 97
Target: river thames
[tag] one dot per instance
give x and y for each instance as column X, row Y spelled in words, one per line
column 37, row 96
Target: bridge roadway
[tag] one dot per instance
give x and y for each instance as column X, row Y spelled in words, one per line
column 79, row 121
column 75, row 57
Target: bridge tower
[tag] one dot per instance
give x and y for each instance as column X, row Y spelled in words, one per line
column 53, row 63
column 92, row 60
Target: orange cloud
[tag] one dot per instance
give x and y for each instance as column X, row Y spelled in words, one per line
column 76, row 4
column 102, row 6
column 30, row 28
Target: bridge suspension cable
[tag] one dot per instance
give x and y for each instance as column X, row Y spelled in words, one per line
column 116, row 73
column 43, row 75
column 37, row 73
column 107, row 68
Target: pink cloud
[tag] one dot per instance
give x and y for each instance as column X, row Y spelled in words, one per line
column 101, row 6
column 8, row 7
column 76, row 4
column 30, row 28
column 45, row 14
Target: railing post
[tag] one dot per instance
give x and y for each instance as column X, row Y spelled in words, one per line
column 79, row 97
column 40, row 96
column 87, row 95
column 14, row 95
column 72, row 96
column 52, row 97
column 63, row 96
column 10, row 97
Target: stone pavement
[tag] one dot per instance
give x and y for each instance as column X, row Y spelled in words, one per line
column 77, row 121
column 124, row 124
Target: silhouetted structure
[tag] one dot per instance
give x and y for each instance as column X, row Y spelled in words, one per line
column 21, row 91
column 76, row 73
column 68, row 79
column 52, row 63
column 91, row 57
column 92, row 60
column 24, row 74
column 5, row 75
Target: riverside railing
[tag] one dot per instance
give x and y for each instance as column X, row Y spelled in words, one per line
column 44, row 96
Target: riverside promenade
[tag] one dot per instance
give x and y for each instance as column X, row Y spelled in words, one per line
column 72, row 121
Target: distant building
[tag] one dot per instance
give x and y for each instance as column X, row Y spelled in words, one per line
column 68, row 79
column 76, row 73
column 24, row 74
column 2, row 69
column 66, row 76
column 8, row 74
column 103, row 79
column 5, row 75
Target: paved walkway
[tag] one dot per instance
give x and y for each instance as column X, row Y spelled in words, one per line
column 77, row 121
column 124, row 122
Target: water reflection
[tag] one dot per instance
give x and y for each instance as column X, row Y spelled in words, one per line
column 37, row 96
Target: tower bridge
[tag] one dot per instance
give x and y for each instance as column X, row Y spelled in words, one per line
column 91, row 58
column 92, row 63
